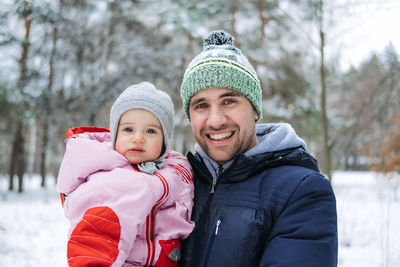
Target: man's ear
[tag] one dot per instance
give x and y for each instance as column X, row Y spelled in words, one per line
column 255, row 115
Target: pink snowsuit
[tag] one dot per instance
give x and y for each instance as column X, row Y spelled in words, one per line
column 119, row 215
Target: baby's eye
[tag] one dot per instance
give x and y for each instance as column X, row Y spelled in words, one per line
column 127, row 129
column 151, row 131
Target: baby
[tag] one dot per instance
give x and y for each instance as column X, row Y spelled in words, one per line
column 128, row 197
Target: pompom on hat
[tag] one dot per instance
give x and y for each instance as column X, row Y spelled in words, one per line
column 145, row 96
column 220, row 64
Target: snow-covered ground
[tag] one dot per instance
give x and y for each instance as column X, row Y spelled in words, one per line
column 368, row 219
column 33, row 229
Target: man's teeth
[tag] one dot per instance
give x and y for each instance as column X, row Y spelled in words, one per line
column 220, row 136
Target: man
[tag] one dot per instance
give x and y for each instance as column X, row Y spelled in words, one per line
column 259, row 197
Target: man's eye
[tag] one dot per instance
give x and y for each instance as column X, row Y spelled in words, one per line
column 229, row 101
column 201, row 106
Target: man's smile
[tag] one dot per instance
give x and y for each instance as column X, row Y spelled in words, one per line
column 220, row 136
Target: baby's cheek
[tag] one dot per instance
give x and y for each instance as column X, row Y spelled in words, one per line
column 157, row 148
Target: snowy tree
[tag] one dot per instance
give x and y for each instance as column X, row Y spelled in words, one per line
column 383, row 148
column 66, row 61
column 17, row 164
column 368, row 97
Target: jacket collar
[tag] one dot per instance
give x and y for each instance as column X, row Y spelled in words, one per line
column 243, row 166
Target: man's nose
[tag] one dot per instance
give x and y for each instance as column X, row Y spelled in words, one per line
column 216, row 117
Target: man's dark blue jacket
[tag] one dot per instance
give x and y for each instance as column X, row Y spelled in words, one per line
column 272, row 209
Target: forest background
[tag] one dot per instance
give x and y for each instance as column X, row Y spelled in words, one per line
column 63, row 63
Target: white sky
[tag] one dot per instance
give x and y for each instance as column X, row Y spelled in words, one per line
column 368, row 27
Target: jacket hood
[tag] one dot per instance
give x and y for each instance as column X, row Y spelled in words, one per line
column 275, row 137
column 278, row 144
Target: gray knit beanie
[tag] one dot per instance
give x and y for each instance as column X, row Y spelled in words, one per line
column 220, row 64
column 145, row 96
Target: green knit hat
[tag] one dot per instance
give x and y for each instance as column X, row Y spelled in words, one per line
column 220, row 64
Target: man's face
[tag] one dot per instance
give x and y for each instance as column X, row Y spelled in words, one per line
column 223, row 123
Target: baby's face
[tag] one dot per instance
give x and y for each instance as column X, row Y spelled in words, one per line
column 139, row 136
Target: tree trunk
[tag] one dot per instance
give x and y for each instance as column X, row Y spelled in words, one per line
column 234, row 10
column 11, row 170
column 47, row 111
column 263, row 19
column 17, row 163
column 23, row 69
column 114, row 8
column 43, row 152
column 324, row 117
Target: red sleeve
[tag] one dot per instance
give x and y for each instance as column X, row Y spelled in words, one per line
column 94, row 241
column 170, row 253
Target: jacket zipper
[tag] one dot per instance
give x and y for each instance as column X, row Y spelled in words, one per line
column 212, row 239
column 214, row 181
column 217, row 227
column 150, row 222
column 214, row 234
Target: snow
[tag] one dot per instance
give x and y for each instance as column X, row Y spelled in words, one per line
column 33, row 228
column 368, row 219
